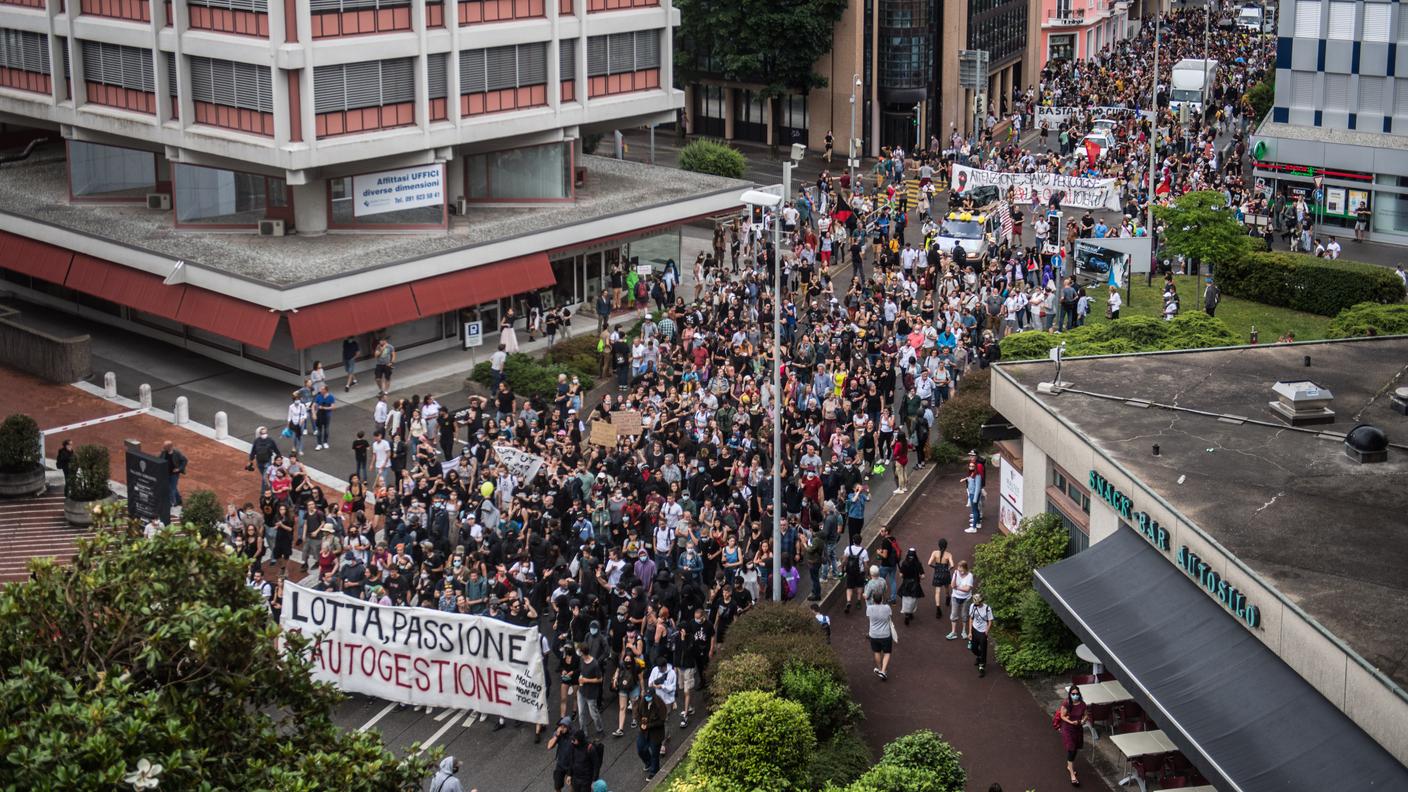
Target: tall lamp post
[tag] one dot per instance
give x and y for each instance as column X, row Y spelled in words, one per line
column 851, row 146
column 1153, row 139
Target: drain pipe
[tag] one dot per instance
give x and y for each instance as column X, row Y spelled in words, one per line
column 25, row 154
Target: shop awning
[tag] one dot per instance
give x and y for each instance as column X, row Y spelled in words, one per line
column 223, row 315
column 361, row 313
column 455, row 290
column 34, row 258
column 125, row 286
column 1240, row 714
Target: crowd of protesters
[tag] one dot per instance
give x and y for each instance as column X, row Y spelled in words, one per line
column 635, row 554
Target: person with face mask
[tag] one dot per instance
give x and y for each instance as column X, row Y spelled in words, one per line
column 652, row 717
column 1070, row 718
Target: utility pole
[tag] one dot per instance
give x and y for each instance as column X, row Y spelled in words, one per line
column 852, row 147
column 918, row 131
column 777, row 381
column 1153, row 139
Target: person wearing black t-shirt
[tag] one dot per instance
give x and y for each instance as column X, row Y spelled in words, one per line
column 694, row 647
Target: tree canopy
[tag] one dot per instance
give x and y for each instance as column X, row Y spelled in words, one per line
column 151, row 660
column 1199, row 225
column 771, row 42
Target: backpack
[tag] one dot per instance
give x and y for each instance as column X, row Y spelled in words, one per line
column 852, row 561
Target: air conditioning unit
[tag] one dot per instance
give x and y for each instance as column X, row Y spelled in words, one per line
column 271, row 228
column 462, row 207
column 159, row 201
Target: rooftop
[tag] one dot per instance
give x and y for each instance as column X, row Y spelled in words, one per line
column 1327, row 532
column 1332, row 136
column 37, row 189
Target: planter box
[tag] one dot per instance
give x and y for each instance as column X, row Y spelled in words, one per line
column 80, row 512
column 18, row 485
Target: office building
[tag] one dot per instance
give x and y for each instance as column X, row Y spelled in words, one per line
column 1338, row 132
column 259, row 179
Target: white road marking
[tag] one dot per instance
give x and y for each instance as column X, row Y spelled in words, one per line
column 377, row 717
column 445, row 714
column 441, row 733
column 95, row 421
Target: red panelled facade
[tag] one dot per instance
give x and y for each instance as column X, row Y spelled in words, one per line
column 594, row 6
column 505, row 99
column 25, row 3
column 122, row 98
column 434, row 15
column 366, row 119
column 236, row 118
column 609, row 85
column 223, row 20
column 439, row 109
column 25, row 80
column 136, row 10
column 564, row 7
column 569, row 90
column 474, row 12
column 332, row 24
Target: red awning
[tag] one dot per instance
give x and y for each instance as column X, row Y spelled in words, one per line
column 124, row 286
column 455, row 290
column 233, row 318
column 360, row 313
column 33, row 258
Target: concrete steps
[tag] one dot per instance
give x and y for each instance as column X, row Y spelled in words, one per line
column 34, row 528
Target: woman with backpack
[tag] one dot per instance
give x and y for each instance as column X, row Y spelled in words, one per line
column 853, row 561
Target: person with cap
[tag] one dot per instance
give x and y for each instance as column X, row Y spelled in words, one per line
column 560, row 743
column 590, row 686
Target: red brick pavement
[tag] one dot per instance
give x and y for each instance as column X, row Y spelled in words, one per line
column 1005, row 736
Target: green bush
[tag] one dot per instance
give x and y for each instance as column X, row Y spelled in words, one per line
column 1262, row 96
column 1023, row 660
column 755, row 740
column 90, row 473
column 780, row 648
column 577, row 353
column 740, row 672
column 828, row 702
column 1306, row 283
column 1040, row 645
column 946, row 453
column 1004, row 564
column 202, row 509
column 960, row 419
column 926, row 750
column 1191, row 330
column 839, row 760
column 19, row 444
column 713, row 157
column 893, row 778
column 1370, row 319
column 527, row 376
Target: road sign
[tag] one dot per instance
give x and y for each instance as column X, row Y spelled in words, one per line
column 1319, row 196
column 473, row 334
column 973, row 69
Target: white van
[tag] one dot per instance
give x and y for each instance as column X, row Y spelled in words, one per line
column 1251, row 18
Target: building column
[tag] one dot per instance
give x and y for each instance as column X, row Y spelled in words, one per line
column 310, row 207
column 728, row 112
column 689, row 119
column 772, row 121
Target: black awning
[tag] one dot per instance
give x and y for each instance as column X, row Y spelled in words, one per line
column 1241, row 715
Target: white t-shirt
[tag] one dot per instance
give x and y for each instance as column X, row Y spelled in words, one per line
column 982, row 617
column 381, row 453
column 879, row 615
column 962, row 585
column 667, row 680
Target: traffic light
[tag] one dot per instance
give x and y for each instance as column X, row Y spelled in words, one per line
column 979, row 105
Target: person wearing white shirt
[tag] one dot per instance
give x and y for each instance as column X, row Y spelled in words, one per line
column 297, row 417
column 381, row 456
column 663, row 679
column 1332, row 250
column 381, row 411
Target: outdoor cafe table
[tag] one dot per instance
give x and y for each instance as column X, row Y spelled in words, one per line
column 1104, row 693
column 1136, row 744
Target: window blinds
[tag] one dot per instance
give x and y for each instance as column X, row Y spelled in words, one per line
column 114, row 64
column 20, row 49
column 367, row 84
column 619, row 53
column 567, row 59
column 497, row 68
column 223, row 82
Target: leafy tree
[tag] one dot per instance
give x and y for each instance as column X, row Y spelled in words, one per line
column 151, row 658
column 1262, row 96
column 1370, row 319
column 743, row 40
column 202, row 509
column 712, row 157
column 1004, row 565
column 926, row 750
column 755, row 741
column 1200, row 226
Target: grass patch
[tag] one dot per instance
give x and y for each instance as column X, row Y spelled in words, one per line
column 1271, row 322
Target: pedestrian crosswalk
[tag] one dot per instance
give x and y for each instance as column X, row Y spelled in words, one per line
column 34, row 528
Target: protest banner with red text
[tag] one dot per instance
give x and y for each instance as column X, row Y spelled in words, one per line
column 421, row 656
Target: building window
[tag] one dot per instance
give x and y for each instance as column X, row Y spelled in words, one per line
column 118, row 76
column 437, row 78
column 1079, row 535
column 24, row 61
column 108, row 173
column 362, row 97
column 623, row 62
column 237, row 96
column 474, row 12
column 1066, row 485
column 792, row 118
column 534, row 173
column 1376, row 25
column 750, row 116
column 1307, row 19
column 904, row 36
column 503, row 78
column 1061, row 46
column 135, row 10
column 333, row 18
column 343, row 211
column 240, row 17
column 221, row 198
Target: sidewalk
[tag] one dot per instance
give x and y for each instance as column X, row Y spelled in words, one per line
column 1004, row 734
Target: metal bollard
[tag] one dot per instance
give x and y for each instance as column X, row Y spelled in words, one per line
column 182, row 411
column 110, row 385
column 144, row 395
column 222, row 426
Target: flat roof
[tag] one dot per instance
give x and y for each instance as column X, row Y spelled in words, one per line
column 37, row 189
column 1332, row 136
column 1329, row 533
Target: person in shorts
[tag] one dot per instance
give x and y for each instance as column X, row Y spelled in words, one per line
column 350, row 350
column 385, row 362
column 881, row 634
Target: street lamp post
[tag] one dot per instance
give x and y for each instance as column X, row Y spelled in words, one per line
column 1153, row 139
column 851, row 144
column 777, row 374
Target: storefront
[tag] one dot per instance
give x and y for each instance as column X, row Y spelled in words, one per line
column 1240, row 575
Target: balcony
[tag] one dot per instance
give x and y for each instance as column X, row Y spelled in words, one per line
column 1077, row 17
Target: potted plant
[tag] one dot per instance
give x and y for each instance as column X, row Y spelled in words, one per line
column 21, row 466
column 89, row 486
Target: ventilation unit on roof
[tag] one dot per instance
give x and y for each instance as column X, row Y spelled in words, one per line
column 1366, row 443
column 1399, row 401
column 1302, row 403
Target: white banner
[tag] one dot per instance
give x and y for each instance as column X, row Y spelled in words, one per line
column 1010, row 511
column 1052, row 117
column 421, row 656
column 1078, row 191
column 392, row 191
column 523, row 465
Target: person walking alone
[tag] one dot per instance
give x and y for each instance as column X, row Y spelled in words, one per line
column 979, row 622
column 175, row 469
column 911, row 584
column 962, row 585
column 941, row 561
column 653, row 714
column 973, row 482
column 881, row 634
column 1070, row 719
column 323, row 405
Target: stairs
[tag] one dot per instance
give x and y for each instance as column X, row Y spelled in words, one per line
column 33, row 528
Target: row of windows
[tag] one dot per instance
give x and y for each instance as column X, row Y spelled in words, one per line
column 24, row 50
column 496, row 68
column 1374, row 95
column 114, row 64
column 349, row 86
column 1003, row 33
column 232, row 84
column 619, row 53
column 354, row 5
column 1340, row 24
column 255, row 6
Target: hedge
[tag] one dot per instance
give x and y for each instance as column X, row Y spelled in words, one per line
column 19, row 444
column 528, row 376
column 713, row 157
column 1306, row 283
column 1003, row 565
column 756, row 741
column 1192, row 330
column 1369, row 319
column 577, row 353
column 1042, row 645
column 782, row 632
column 960, row 419
column 740, row 672
column 839, row 761
column 918, row 762
column 828, row 702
